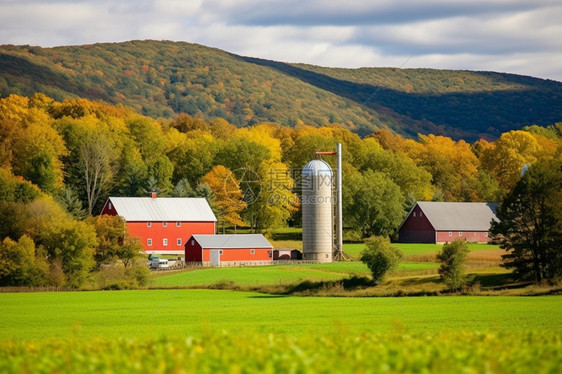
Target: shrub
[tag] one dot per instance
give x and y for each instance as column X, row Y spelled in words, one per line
column 452, row 258
column 380, row 257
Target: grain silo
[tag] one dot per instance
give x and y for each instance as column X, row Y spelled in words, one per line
column 317, row 204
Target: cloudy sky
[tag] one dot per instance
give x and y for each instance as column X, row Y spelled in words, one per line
column 516, row 36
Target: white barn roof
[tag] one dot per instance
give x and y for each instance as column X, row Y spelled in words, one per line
column 451, row 216
column 185, row 209
column 232, row 241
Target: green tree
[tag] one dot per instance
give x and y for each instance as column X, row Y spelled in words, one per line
column 276, row 201
column 20, row 265
column 241, row 153
column 183, row 189
column 71, row 202
column 73, row 243
column 114, row 242
column 162, row 170
column 380, row 257
column 373, row 204
column 530, row 223
column 452, row 257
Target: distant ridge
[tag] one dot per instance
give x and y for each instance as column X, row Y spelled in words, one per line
column 162, row 78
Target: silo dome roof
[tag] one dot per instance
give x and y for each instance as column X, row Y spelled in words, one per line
column 317, row 167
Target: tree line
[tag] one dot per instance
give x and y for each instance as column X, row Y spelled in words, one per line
column 60, row 160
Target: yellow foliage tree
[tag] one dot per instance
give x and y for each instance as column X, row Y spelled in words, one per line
column 229, row 199
column 506, row 156
column 452, row 165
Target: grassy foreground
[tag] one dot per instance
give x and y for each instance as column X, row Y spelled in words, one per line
column 204, row 331
column 457, row 352
column 157, row 313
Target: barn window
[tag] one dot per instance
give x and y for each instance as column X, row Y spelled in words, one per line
column 110, row 206
column 179, row 241
column 414, row 214
column 269, row 254
column 486, row 234
column 165, row 242
column 164, row 224
column 460, row 233
column 252, row 251
column 149, row 241
column 149, row 224
column 192, row 241
column 178, row 224
column 421, row 213
column 450, row 233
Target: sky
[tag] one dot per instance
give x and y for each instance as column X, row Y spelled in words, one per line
column 513, row 36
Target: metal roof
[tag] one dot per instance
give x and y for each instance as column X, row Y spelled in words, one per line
column 190, row 209
column 317, row 167
column 452, row 216
column 232, row 241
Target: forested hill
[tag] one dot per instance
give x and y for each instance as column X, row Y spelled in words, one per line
column 161, row 78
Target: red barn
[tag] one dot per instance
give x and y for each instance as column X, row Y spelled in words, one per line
column 440, row 222
column 163, row 223
column 229, row 250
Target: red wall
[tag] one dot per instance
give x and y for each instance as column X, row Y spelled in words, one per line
column 416, row 229
column 157, row 232
column 240, row 254
column 193, row 252
column 470, row 236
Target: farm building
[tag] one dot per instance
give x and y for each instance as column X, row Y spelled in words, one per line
column 440, row 222
column 287, row 254
column 163, row 223
column 228, row 250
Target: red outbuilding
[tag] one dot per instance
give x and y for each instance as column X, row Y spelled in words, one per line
column 228, row 250
column 440, row 222
column 163, row 223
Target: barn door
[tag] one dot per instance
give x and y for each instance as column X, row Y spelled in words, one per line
column 215, row 257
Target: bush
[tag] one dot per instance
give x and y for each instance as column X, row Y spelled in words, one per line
column 117, row 277
column 380, row 257
column 452, row 258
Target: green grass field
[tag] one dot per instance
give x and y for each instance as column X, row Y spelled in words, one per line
column 157, row 313
column 210, row 331
column 181, row 330
column 354, row 249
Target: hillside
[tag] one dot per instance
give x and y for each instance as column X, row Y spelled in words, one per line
column 161, row 78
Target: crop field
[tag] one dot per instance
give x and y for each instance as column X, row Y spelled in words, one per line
column 225, row 331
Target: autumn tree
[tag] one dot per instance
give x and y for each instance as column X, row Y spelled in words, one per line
column 21, row 264
column 452, row 165
column 228, row 196
column 276, row 200
column 114, row 241
column 98, row 167
column 505, row 157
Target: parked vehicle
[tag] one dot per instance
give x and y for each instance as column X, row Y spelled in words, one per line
column 159, row 263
